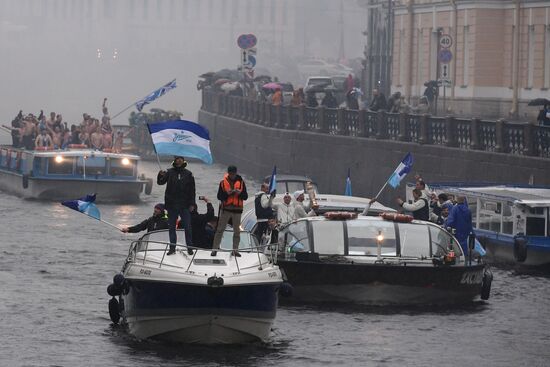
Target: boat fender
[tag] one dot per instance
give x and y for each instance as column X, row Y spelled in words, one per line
column 114, row 290
column 486, row 284
column 215, row 281
column 149, row 186
column 25, row 181
column 286, row 289
column 397, row 217
column 114, row 312
column 118, row 280
column 520, row 248
column 340, row 215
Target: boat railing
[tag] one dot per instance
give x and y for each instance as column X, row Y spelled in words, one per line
column 142, row 245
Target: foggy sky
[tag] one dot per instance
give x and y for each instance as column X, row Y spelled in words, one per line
column 49, row 55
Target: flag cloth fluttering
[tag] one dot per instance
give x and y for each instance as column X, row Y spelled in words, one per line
column 84, row 205
column 347, row 192
column 401, row 171
column 181, row 138
column 156, row 94
column 273, row 180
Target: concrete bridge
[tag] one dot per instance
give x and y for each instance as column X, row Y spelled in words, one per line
column 323, row 143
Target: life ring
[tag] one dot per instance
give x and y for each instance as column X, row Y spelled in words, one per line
column 397, row 217
column 25, row 181
column 77, row 146
column 149, row 186
column 114, row 312
column 486, row 284
column 520, row 249
column 340, row 215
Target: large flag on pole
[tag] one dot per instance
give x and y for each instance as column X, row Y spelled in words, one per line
column 401, row 171
column 181, row 137
column 156, row 94
column 273, row 180
column 348, row 185
column 84, row 205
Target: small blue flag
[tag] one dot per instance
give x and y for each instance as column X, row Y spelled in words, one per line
column 156, row 94
column 84, row 205
column 401, row 171
column 181, row 138
column 273, row 180
column 479, row 249
column 348, row 185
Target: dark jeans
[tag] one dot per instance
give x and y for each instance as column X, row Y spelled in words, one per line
column 261, row 227
column 183, row 213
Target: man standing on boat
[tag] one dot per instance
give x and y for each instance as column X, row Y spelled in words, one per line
column 154, row 223
column 460, row 219
column 232, row 193
column 178, row 197
column 420, row 208
column 263, row 207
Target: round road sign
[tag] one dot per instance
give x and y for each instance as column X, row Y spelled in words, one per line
column 246, row 41
column 445, row 56
column 445, row 41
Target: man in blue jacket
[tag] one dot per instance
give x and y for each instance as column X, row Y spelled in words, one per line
column 460, row 219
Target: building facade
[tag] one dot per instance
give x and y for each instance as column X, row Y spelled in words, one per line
column 492, row 55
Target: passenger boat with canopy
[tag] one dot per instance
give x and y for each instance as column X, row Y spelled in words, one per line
column 60, row 174
column 196, row 298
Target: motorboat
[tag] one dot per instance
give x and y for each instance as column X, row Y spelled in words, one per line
column 196, row 298
column 512, row 222
column 60, row 174
column 388, row 259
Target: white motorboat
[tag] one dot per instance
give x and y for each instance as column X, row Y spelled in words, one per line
column 196, row 298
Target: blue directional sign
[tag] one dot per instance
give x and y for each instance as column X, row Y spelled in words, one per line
column 445, row 56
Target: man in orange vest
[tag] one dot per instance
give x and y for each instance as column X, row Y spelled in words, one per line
column 231, row 193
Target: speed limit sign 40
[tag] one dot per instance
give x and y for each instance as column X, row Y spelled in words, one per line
column 445, row 41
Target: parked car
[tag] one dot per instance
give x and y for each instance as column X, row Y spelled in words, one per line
column 321, row 67
column 287, row 89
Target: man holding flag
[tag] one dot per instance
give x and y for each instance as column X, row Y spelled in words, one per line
column 178, row 197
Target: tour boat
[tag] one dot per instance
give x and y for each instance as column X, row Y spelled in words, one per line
column 512, row 222
column 196, row 298
column 61, row 174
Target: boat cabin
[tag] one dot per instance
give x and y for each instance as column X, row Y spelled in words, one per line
column 292, row 183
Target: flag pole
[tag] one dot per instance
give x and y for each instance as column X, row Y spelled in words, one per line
column 382, row 189
column 108, row 223
column 154, row 148
column 124, row 110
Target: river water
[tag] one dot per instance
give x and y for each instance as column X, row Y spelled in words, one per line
column 55, row 265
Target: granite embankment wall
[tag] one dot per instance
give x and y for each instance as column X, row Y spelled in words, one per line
column 326, row 158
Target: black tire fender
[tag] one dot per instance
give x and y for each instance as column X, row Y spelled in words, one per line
column 25, row 181
column 149, row 186
column 520, row 249
column 486, row 284
column 114, row 312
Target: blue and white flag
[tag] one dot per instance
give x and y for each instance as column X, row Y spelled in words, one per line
column 181, row 138
column 273, row 180
column 348, row 185
column 156, row 94
column 401, row 171
column 84, row 205
column 479, row 249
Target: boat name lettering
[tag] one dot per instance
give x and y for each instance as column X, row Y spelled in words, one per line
column 471, row 278
column 145, row 272
column 272, row 274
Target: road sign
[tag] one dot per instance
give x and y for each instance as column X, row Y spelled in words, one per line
column 443, row 82
column 445, row 41
column 444, row 71
column 445, row 56
column 246, row 41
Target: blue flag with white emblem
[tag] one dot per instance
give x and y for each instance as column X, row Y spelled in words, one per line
column 348, row 185
column 401, row 171
column 273, row 180
column 181, row 138
column 84, row 205
column 156, row 94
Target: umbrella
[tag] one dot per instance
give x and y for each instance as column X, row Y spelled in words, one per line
column 271, row 86
column 228, row 74
column 207, row 75
column 262, row 77
column 222, row 81
column 229, row 86
column 539, row 102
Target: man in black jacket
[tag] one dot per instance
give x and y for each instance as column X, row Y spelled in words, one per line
column 199, row 222
column 157, row 221
column 178, row 197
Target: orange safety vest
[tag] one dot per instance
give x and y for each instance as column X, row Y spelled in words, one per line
column 233, row 201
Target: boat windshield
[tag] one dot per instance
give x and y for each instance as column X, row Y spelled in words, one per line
column 247, row 241
column 363, row 239
column 296, row 237
column 442, row 241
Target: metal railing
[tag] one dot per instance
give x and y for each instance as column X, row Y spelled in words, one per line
column 498, row 136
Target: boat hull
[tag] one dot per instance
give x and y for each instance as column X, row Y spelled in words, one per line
column 500, row 249
column 198, row 313
column 61, row 189
column 382, row 284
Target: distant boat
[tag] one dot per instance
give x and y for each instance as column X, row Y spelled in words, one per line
column 511, row 221
column 60, row 174
column 196, row 298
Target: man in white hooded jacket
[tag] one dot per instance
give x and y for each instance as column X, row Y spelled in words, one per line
column 285, row 210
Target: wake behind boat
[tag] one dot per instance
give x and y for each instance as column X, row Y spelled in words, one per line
column 58, row 174
column 196, row 298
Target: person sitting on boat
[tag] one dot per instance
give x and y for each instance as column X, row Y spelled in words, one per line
column 232, row 194
column 199, row 223
column 178, row 197
column 460, row 219
column 300, row 210
column 285, row 210
column 420, row 207
column 436, row 204
column 444, row 214
column 156, row 222
column 43, row 140
column 263, row 207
